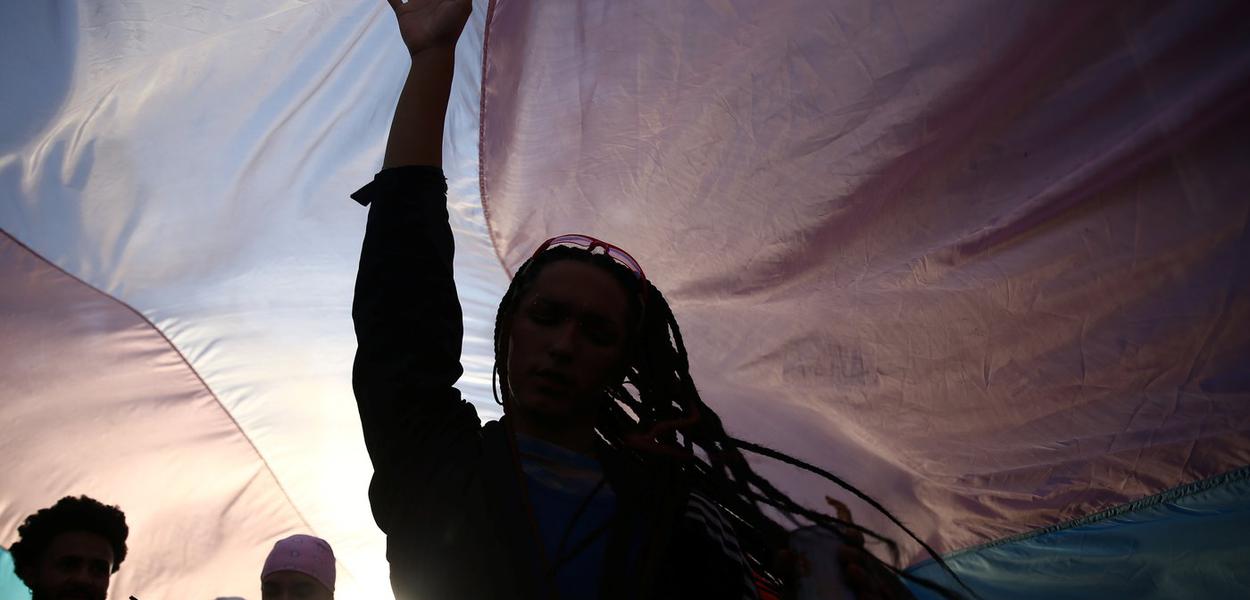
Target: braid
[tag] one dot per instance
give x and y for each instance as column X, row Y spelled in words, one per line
column 664, row 391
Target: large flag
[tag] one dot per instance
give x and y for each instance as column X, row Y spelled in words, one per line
column 987, row 261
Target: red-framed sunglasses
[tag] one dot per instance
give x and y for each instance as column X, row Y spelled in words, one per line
column 584, row 241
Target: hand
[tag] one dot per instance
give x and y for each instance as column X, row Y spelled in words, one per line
column 864, row 573
column 647, row 441
column 426, row 24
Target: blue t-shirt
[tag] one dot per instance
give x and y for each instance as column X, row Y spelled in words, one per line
column 559, row 481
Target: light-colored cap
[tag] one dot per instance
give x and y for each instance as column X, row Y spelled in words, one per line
column 305, row 554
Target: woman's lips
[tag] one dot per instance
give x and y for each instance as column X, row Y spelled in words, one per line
column 552, row 381
column 553, row 375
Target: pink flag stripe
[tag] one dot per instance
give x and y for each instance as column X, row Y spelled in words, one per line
column 98, row 402
column 987, row 264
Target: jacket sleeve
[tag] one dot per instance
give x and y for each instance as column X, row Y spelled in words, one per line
column 714, row 563
column 408, row 331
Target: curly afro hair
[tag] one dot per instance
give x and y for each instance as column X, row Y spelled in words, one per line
column 68, row 514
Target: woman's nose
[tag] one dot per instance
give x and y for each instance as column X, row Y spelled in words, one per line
column 565, row 342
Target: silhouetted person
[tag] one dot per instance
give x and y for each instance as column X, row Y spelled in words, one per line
column 300, row 567
column 608, row 476
column 70, row 550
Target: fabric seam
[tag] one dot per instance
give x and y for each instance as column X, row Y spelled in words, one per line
column 190, row 367
column 481, row 138
column 1169, row 495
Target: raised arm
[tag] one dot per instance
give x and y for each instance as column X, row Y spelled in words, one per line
column 406, row 312
column 429, row 29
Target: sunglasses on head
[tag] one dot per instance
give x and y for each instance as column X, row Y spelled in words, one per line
column 578, row 240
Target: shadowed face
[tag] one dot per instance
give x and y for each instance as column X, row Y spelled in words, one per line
column 293, row 585
column 568, row 342
column 75, row 566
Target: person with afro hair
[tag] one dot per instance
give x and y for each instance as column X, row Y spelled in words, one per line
column 71, row 549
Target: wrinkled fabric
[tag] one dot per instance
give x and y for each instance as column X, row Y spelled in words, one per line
column 193, row 159
column 97, row 402
column 988, row 265
column 1189, row 544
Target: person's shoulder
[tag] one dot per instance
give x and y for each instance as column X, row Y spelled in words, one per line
column 710, row 517
column 704, row 520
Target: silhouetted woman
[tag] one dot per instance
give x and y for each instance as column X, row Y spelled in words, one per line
column 607, row 477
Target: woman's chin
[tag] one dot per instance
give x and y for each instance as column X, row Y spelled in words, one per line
column 552, row 409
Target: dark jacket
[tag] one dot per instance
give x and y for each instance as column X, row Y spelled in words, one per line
column 447, row 489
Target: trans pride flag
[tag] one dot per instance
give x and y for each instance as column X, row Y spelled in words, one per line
column 985, row 260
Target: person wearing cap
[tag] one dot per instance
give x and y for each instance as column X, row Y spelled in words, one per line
column 300, row 567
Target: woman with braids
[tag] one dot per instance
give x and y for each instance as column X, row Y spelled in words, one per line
column 607, row 477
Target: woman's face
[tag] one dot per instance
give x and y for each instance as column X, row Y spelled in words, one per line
column 568, row 342
column 293, row 585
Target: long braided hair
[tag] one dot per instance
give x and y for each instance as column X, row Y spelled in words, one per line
column 657, row 396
